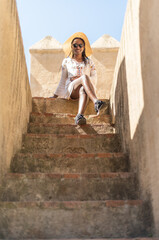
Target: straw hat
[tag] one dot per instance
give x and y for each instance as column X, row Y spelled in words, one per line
column 67, row 44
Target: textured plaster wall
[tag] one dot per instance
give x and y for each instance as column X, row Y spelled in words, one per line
column 149, row 42
column 45, row 72
column 134, row 97
column 104, row 61
column 15, row 94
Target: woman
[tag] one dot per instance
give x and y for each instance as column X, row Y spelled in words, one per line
column 78, row 71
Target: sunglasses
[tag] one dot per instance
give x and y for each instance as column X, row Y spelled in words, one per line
column 76, row 45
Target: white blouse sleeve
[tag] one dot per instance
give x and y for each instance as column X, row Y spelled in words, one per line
column 64, row 75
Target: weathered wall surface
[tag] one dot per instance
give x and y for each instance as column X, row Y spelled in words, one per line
column 15, row 94
column 104, row 61
column 105, row 51
column 149, row 43
column 46, row 59
column 134, row 96
column 45, row 73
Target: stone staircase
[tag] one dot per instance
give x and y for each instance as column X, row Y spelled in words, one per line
column 71, row 181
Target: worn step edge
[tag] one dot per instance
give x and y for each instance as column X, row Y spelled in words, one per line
column 63, row 117
column 63, row 105
column 138, row 238
column 70, row 175
column 71, row 204
column 68, row 125
column 75, row 155
column 85, row 129
column 67, row 115
column 53, row 114
column 70, row 101
column 55, row 99
column 33, row 161
column 45, row 135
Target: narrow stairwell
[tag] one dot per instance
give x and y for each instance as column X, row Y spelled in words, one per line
column 71, row 181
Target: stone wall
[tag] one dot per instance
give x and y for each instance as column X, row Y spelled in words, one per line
column 104, row 61
column 45, row 73
column 105, row 51
column 134, row 97
column 15, row 94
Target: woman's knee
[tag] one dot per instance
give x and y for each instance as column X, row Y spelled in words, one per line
column 82, row 90
column 86, row 79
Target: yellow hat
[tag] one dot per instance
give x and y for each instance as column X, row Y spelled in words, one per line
column 67, row 44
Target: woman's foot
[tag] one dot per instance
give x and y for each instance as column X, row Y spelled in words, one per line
column 80, row 119
column 100, row 107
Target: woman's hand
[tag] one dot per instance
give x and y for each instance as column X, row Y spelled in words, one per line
column 54, row 96
column 73, row 78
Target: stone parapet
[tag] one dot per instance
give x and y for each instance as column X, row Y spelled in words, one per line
column 134, row 96
column 105, row 51
column 46, row 59
column 46, row 45
column 15, row 96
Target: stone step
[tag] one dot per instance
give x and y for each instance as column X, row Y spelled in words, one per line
column 66, row 118
column 138, row 238
column 69, row 128
column 67, row 163
column 58, row 105
column 60, row 143
column 68, row 186
column 74, row 219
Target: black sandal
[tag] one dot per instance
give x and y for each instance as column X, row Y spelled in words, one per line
column 99, row 107
column 80, row 119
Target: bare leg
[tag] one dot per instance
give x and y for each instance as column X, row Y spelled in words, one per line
column 83, row 88
column 83, row 100
column 87, row 85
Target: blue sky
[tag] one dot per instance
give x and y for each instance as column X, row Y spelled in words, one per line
column 62, row 18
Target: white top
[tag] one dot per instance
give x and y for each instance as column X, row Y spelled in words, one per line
column 72, row 68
